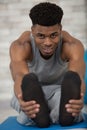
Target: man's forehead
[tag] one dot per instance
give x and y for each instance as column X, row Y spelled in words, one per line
column 46, row 29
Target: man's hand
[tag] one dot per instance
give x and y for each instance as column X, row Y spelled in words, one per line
column 75, row 106
column 30, row 108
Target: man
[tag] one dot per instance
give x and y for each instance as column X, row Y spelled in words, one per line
column 47, row 57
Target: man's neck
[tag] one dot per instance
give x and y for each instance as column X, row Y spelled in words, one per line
column 45, row 57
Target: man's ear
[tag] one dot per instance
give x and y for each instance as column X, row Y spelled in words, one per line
column 32, row 29
column 60, row 27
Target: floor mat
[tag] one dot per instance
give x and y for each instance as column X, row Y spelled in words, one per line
column 12, row 124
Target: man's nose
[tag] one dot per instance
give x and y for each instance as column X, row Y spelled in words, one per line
column 47, row 41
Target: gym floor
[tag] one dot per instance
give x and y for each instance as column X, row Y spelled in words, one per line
column 6, row 110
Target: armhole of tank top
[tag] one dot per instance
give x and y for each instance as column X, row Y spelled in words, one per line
column 30, row 63
column 59, row 53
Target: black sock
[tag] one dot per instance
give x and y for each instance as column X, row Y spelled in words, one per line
column 32, row 90
column 70, row 89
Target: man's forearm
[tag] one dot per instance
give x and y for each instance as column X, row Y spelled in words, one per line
column 17, row 84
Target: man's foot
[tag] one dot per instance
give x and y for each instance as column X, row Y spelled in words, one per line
column 70, row 89
column 32, row 90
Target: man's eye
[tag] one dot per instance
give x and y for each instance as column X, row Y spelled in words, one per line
column 53, row 35
column 40, row 36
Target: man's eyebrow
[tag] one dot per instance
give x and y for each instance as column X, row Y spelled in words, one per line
column 39, row 34
column 54, row 33
column 44, row 34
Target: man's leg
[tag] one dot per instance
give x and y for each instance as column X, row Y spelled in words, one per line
column 32, row 90
column 70, row 89
column 22, row 118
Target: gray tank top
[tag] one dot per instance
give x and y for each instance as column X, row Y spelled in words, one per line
column 49, row 71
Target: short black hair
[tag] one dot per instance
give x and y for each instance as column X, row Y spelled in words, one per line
column 46, row 14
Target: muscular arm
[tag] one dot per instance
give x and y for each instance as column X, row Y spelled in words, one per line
column 20, row 52
column 73, row 50
column 75, row 55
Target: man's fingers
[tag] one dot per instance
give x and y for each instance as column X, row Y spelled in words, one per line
column 31, row 107
column 70, row 110
column 77, row 102
column 32, row 116
column 33, row 111
column 82, row 96
column 74, row 106
column 24, row 104
column 80, row 101
column 75, row 114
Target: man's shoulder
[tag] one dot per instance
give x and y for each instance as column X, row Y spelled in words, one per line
column 22, row 40
column 22, row 43
column 74, row 43
column 20, row 48
column 69, row 41
column 25, row 37
column 72, row 48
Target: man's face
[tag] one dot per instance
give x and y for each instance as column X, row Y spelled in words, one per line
column 46, row 38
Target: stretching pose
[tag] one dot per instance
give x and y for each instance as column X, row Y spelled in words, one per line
column 47, row 67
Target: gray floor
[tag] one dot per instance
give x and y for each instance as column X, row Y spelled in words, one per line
column 6, row 110
column 6, row 92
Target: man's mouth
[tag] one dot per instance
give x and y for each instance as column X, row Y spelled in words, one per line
column 48, row 50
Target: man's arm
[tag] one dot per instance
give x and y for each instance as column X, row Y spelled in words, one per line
column 74, row 53
column 20, row 52
column 73, row 50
